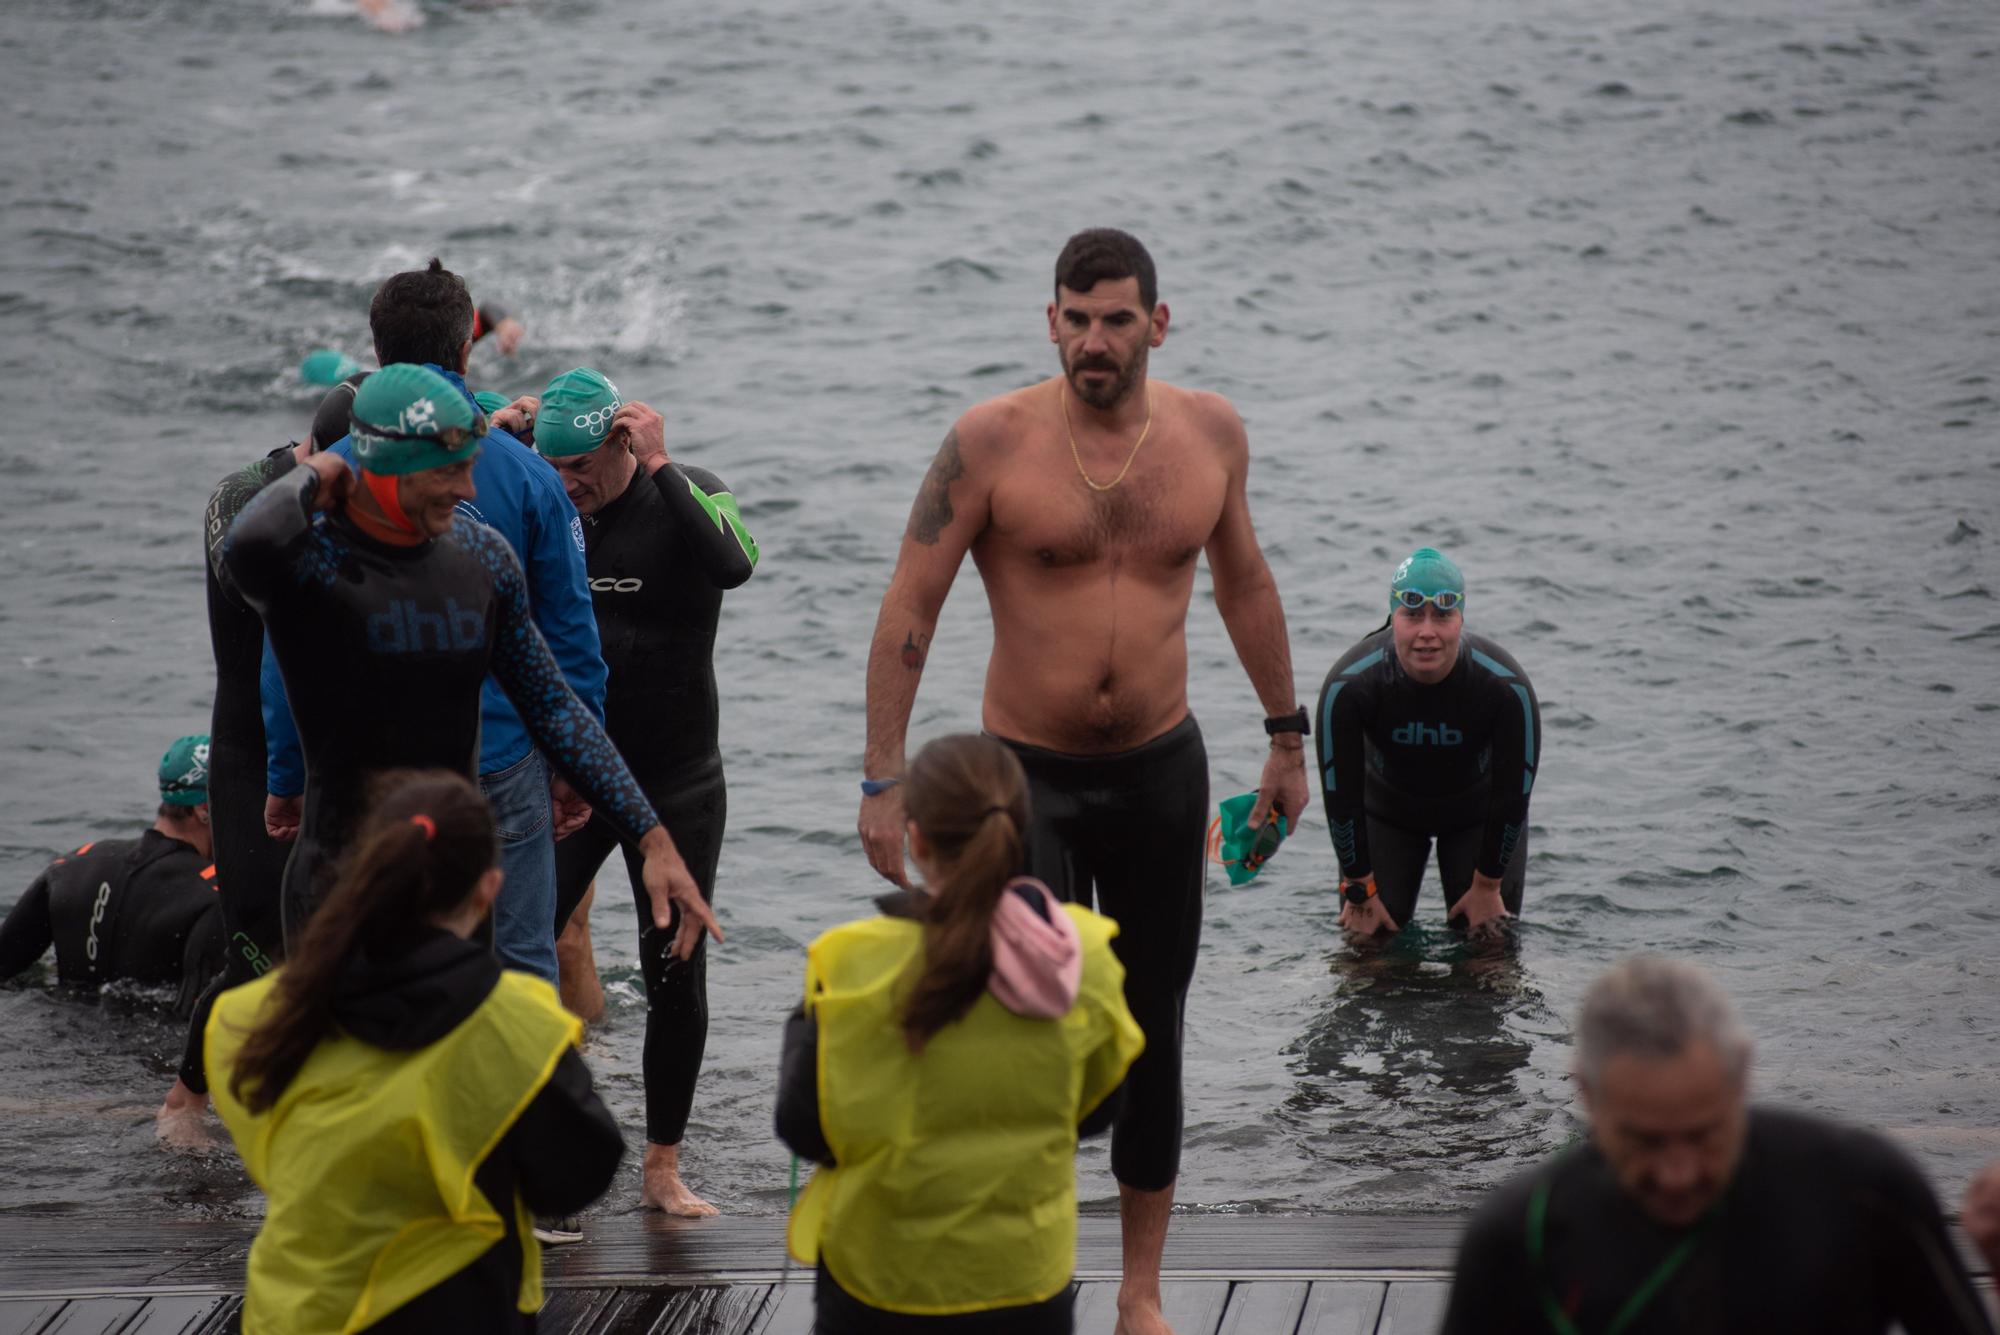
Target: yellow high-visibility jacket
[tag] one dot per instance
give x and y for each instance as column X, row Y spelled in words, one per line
column 955, row 1189
column 367, row 1157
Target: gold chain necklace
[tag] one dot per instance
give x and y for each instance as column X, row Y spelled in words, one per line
column 1062, row 391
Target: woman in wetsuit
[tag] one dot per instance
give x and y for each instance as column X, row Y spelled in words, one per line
column 403, row 1101
column 946, row 1057
column 1428, row 733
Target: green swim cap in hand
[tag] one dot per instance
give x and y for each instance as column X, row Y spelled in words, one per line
column 324, row 366
column 1241, row 850
column 576, row 413
column 490, row 401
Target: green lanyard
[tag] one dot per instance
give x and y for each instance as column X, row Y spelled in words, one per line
column 1538, row 1215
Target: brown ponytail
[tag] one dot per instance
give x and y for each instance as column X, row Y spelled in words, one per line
column 969, row 799
column 419, row 854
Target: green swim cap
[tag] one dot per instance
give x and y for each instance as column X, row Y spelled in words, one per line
column 326, row 366
column 489, row 400
column 184, row 772
column 1428, row 571
column 577, row 408
column 407, row 418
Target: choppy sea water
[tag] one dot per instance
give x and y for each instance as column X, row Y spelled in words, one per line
column 1676, row 326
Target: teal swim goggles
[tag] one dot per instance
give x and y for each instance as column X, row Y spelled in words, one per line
column 1446, row 600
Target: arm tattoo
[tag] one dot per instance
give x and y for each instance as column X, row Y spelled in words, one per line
column 914, row 648
column 932, row 512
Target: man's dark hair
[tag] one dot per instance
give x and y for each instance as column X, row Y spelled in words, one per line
column 1103, row 253
column 423, row 315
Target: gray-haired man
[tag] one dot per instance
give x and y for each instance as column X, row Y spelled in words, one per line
column 1690, row 1210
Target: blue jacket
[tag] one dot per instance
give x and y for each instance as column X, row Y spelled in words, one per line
column 522, row 497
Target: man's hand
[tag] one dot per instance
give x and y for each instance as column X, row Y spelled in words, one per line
column 645, row 431
column 336, row 482
column 283, row 814
column 518, row 416
column 1484, row 910
column 1283, row 785
column 508, row 335
column 1368, row 919
column 571, row 812
column 669, row 886
column 882, row 826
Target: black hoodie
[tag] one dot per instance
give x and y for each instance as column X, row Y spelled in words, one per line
column 560, row 1155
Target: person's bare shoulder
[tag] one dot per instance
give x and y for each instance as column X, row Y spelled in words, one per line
column 994, row 427
column 1212, row 418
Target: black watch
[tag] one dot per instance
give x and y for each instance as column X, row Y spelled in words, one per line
column 1358, row 892
column 1297, row 721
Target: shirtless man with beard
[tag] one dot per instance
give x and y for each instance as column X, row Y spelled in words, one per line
column 1085, row 501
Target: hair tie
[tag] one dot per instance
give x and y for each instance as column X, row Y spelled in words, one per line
column 427, row 825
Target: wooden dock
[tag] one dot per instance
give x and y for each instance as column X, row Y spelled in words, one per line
column 643, row 1274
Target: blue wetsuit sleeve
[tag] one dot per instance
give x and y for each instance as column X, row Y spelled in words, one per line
column 28, row 930
column 1515, row 737
column 569, row 735
column 269, row 536
column 284, row 758
column 1342, row 754
column 706, row 517
column 559, row 592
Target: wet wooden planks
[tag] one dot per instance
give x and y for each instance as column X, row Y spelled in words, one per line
column 1200, row 1307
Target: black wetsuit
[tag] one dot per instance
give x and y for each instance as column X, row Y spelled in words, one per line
column 1125, row 834
column 658, row 567
column 559, row 1155
column 1823, row 1229
column 1402, row 763
column 133, row 910
column 383, row 649
column 250, row 864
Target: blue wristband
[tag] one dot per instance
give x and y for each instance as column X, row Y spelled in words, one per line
column 877, row 787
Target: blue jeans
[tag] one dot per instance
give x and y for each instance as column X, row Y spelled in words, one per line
column 523, row 916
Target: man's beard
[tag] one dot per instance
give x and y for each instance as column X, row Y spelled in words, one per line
column 1112, row 393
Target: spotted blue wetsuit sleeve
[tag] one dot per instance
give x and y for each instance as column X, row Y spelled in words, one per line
column 562, row 726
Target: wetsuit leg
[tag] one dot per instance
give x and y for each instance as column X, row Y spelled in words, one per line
column 1126, row 833
column 1399, row 855
column 1458, row 853
column 578, row 859
column 694, row 808
column 249, row 869
column 519, row 796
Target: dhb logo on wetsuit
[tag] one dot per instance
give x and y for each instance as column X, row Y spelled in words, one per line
column 1422, row 734
column 404, row 629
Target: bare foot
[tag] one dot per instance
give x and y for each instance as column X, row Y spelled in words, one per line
column 664, row 1190
column 1141, row 1316
column 179, row 1124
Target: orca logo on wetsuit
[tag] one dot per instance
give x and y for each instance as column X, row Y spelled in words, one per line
column 606, row 584
column 96, row 917
column 404, row 629
column 1419, row 734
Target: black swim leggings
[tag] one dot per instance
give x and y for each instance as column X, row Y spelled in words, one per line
column 694, row 806
column 1399, row 853
column 1125, row 834
column 838, row 1312
column 249, row 868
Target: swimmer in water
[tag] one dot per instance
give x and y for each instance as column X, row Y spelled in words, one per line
column 131, row 910
column 1428, row 733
